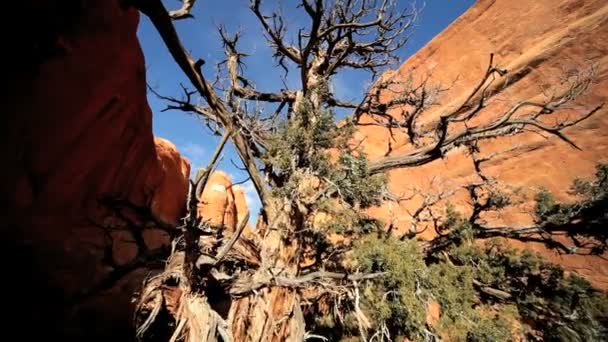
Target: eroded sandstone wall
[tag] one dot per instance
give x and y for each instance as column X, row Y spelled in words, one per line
column 540, row 41
column 86, row 189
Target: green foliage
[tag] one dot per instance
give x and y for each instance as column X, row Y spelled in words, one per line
column 547, row 210
column 554, row 305
column 585, row 217
column 592, row 194
column 300, row 151
column 355, row 182
column 460, row 230
column 564, row 307
column 497, row 265
column 498, row 200
column 545, row 204
column 593, row 190
column 479, row 324
column 348, row 221
column 301, row 147
column 299, row 143
column 453, row 288
column 582, row 312
column 489, row 328
column 396, row 299
column 399, row 299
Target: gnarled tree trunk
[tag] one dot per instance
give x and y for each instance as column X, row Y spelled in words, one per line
column 271, row 313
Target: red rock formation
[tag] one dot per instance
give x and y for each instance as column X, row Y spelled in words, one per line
column 79, row 155
column 540, row 40
column 222, row 203
column 240, row 202
column 167, row 199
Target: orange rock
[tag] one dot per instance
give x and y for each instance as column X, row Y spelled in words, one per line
column 169, row 195
column 221, row 203
column 216, row 204
column 542, row 40
column 242, row 207
column 433, row 313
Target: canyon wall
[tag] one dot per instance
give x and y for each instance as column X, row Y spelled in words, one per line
column 537, row 42
column 89, row 197
column 88, row 193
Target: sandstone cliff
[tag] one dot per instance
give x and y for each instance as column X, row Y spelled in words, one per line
column 538, row 42
column 86, row 189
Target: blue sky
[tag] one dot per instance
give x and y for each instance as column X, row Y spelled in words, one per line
column 200, row 37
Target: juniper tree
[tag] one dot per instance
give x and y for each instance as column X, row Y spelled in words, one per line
column 289, row 280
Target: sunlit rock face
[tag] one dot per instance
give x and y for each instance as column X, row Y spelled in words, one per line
column 541, row 41
column 222, row 203
column 167, row 202
column 82, row 175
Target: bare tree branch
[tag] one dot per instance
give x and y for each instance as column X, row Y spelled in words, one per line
column 239, row 85
column 424, row 212
column 186, row 105
column 509, row 123
column 157, row 13
column 340, row 35
column 184, row 11
column 202, row 176
column 276, row 33
column 303, row 281
column 586, row 220
column 235, row 236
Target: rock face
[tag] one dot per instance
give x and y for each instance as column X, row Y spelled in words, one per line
column 222, row 203
column 539, row 41
column 87, row 192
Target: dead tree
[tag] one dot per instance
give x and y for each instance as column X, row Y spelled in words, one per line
column 267, row 278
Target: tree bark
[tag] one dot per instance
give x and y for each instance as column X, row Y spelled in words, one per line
column 272, row 313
